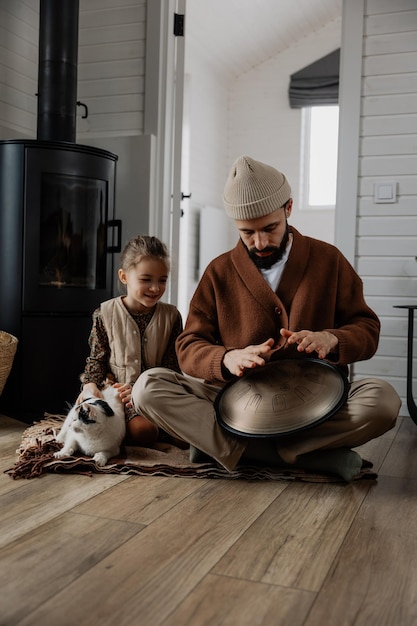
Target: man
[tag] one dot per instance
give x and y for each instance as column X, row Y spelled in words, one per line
column 276, row 295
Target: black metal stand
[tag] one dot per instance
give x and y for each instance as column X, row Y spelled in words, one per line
column 411, row 405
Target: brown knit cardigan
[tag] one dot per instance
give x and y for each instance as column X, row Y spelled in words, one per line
column 233, row 307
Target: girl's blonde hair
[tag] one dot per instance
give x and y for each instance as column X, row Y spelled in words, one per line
column 143, row 246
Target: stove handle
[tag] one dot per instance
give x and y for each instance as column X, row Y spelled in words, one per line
column 115, row 224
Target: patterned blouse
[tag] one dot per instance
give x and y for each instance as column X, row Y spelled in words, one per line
column 97, row 363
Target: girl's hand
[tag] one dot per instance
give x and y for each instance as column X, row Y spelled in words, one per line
column 125, row 393
column 89, row 389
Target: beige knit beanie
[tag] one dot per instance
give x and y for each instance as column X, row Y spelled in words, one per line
column 254, row 189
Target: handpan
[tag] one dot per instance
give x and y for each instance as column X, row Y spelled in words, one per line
column 281, row 398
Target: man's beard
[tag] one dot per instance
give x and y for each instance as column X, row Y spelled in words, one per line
column 277, row 252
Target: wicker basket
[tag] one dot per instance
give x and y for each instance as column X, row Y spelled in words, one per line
column 8, row 346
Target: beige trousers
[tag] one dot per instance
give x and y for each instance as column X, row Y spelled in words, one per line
column 184, row 408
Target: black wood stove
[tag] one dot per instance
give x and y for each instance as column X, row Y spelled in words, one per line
column 58, row 232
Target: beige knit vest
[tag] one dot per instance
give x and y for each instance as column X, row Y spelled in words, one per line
column 127, row 348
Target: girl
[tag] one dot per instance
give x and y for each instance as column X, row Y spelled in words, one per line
column 134, row 332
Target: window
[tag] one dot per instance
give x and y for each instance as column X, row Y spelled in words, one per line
column 320, row 127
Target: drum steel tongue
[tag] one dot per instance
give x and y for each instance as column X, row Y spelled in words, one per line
column 281, row 398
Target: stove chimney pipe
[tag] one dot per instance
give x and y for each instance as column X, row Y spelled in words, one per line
column 57, row 78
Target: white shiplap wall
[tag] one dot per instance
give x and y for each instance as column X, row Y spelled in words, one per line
column 386, row 244
column 111, row 68
column 18, row 67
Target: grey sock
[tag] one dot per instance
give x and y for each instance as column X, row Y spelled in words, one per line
column 343, row 462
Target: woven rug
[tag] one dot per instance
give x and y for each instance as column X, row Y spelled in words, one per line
column 36, row 450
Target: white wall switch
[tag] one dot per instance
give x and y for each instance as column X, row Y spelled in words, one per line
column 385, row 191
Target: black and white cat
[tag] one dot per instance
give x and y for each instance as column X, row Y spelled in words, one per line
column 96, row 427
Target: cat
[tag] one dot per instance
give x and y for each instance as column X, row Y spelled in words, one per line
column 96, row 427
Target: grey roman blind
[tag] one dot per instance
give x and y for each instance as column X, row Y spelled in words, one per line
column 316, row 84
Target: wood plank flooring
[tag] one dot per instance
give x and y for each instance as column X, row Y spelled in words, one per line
column 144, row 551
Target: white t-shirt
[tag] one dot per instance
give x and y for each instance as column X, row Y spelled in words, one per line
column 274, row 273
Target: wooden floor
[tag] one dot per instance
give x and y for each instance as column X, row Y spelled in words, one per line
column 143, row 551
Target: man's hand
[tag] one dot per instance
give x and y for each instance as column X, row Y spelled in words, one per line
column 308, row 341
column 237, row 361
